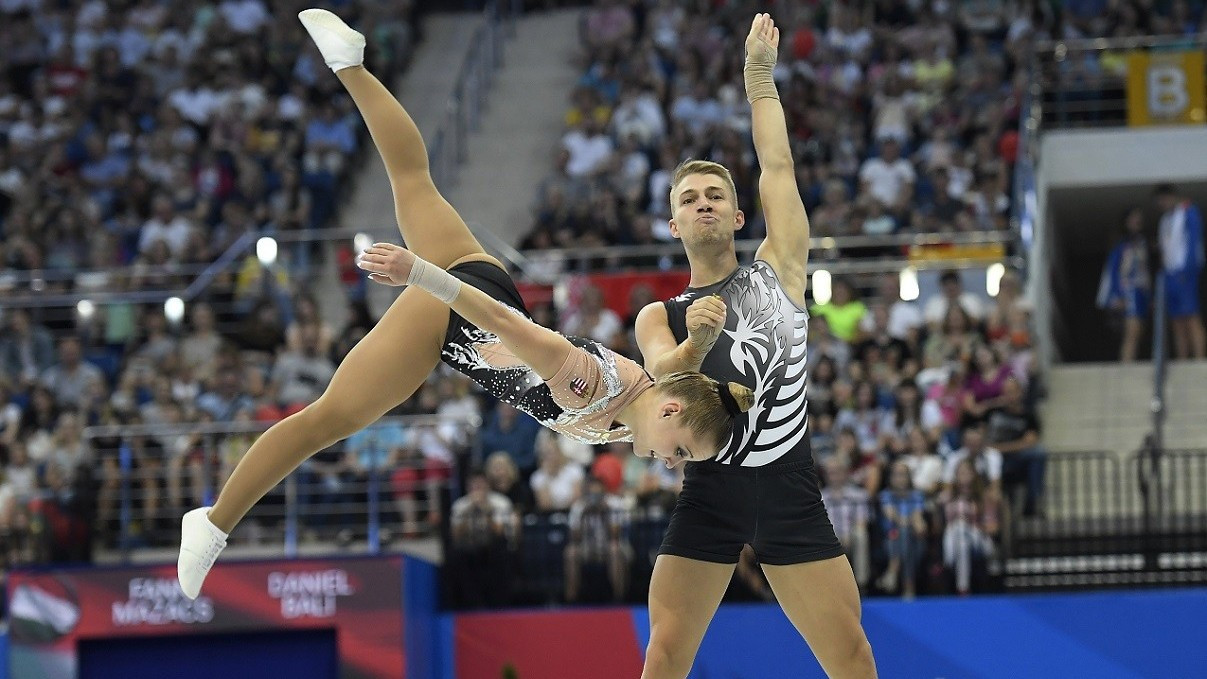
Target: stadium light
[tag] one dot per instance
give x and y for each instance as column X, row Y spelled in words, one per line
column 993, row 278
column 85, row 308
column 821, row 286
column 173, row 310
column 266, row 250
column 909, row 284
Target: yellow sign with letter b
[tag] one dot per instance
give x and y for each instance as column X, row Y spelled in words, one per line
column 1165, row 88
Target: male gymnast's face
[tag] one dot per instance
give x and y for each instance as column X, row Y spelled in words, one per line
column 705, row 211
column 665, row 438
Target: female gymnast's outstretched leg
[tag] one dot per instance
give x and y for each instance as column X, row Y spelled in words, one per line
column 390, row 363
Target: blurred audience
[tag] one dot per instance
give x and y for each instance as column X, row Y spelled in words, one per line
column 138, row 141
column 900, row 119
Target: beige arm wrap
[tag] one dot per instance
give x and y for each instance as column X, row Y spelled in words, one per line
column 760, row 84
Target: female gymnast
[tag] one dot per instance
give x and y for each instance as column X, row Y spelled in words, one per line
column 572, row 385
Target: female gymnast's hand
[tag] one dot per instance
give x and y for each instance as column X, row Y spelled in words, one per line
column 387, row 263
column 705, row 319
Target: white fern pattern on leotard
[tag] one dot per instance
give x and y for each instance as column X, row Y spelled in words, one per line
column 768, row 350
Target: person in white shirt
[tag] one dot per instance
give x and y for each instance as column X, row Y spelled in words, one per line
column 167, row 226
column 633, row 169
column 904, row 318
column 889, row 178
column 196, row 101
column 21, row 474
column 894, row 110
column 846, row 35
column 244, row 16
column 638, row 115
column 558, row 482
column 952, row 290
column 925, row 467
column 1182, row 259
column 590, row 149
column 986, row 461
column 697, row 109
column 593, row 319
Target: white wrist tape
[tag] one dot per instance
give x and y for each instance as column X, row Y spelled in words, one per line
column 434, row 280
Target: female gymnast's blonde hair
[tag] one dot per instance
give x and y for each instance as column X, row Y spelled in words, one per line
column 705, row 412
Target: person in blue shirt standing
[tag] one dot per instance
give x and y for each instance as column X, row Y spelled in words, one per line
column 1182, row 262
column 1126, row 284
column 902, row 518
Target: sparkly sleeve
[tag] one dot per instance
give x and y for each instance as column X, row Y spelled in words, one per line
column 578, row 382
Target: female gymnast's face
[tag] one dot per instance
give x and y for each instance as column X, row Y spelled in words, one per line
column 705, row 212
column 664, row 438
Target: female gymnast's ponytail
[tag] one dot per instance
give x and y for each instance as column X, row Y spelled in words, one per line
column 709, row 407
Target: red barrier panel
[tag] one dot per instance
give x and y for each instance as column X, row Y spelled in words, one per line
column 599, row 644
column 615, row 286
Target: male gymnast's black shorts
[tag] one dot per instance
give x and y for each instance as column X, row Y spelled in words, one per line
column 776, row 509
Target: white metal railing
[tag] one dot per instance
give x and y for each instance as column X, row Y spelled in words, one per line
column 839, row 254
column 35, row 283
column 148, row 475
column 32, row 290
column 563, row 260
column 449, row 147
column 1076, row 88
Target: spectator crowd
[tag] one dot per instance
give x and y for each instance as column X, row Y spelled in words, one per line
column 903, row 116
column 922, row 425
column 142, row 139
column 139, row 140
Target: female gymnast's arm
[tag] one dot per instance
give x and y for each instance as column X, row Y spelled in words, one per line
column 542, row 349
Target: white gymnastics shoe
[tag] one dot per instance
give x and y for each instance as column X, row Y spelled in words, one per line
column 340, row 46
column 200, row 544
